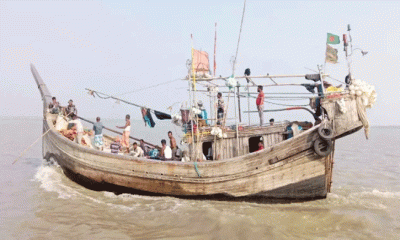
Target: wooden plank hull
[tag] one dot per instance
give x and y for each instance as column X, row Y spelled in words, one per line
column 273, row 172
column 284, row 169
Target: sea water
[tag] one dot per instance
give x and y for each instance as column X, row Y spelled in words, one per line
column 37, row 201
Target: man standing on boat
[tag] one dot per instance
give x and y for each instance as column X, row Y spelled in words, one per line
column 126, row 133
column 260, row 103
column 220, row 108
column 173, row 145
column 98, row 134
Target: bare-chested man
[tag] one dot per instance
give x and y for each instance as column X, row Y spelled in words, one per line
column 173, row 145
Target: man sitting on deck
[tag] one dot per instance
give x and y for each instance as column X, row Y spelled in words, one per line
column 260, row 146
column 166, row 152
column 143, row 147
column 79, row 129
column 71, row 109
column 116, row 146
column 271, row 122
column 98, row 134
column 137, row 151
column 54, row 106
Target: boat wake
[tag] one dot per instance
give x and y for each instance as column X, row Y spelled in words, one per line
column 52, row 179
column 380, row 194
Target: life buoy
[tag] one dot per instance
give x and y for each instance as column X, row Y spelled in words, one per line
column 323, row 147
column 325, row 131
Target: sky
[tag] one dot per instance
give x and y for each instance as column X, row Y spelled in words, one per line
column 118, row 47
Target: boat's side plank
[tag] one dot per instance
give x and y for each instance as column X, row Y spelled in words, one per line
column 300, row 168
column 214, row 169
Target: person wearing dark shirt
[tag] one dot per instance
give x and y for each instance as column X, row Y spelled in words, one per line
column 54, row 106
column 98, row 133
column 220, row 108
column 271, row 122
column 116, row 146
column 71, row 109
column 143, row 147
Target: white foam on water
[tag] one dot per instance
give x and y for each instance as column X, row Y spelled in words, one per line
column 51, row 181
column 378, row 193
column 170, row 204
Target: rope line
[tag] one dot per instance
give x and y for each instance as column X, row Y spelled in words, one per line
column 141, row 89
column 291, row 105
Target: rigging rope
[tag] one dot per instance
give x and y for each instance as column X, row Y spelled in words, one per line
column 97, row 94
column 137, row 90
column 291, row 105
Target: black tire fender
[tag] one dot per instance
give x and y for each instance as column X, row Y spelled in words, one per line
column 325, row 131
column 323, row 147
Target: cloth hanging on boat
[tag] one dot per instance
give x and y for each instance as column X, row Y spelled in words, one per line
column 204, row 115
column 309, row 87
column 148, row 119
column 161, row 115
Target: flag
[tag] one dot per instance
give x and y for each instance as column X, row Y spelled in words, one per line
column 331, row 54
column 332, row 39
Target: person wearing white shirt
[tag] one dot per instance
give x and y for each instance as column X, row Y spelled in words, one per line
column 79, row 129
column 137, row 151
column 166, row 151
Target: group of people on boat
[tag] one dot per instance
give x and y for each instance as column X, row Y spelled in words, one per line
column 75, row 131
column 259, row 104
column 121, row 145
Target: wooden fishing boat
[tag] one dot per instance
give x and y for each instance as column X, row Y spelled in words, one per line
column 298, row 167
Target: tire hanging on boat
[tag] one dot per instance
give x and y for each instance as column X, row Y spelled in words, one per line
column 323, row 147
column 325, row 131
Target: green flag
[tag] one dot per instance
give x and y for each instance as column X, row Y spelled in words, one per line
column 332, row 39
column 331, row 54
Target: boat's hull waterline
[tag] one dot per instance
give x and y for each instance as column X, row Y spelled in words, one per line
column 289, row 169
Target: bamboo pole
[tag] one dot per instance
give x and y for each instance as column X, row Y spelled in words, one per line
column 117, row 132
column 270, row 85
column 274, row 93
column 215, row 49
column 260, row 76
column 248, row 101
column 239, row 107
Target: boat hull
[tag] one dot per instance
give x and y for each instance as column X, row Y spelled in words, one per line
column 273, row 172
column 290, row 169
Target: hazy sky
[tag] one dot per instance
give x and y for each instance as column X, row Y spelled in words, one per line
column 122, row 46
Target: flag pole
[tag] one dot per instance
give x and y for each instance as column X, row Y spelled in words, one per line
column 215, row 69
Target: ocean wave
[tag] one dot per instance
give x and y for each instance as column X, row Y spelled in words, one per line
column 377, row 193
column 51, row 181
